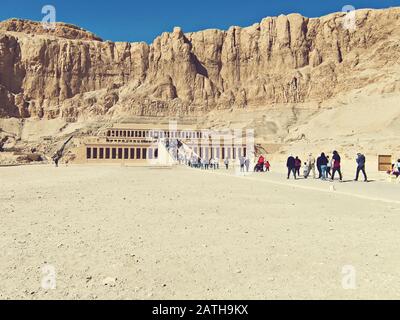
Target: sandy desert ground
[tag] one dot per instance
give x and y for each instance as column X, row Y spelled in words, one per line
column 141, row 233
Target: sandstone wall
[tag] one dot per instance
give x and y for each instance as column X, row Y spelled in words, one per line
column 71, row 73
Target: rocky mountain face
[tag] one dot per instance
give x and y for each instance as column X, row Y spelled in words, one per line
column 71, row 73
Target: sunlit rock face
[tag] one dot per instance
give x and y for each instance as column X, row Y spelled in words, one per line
column 71, row 73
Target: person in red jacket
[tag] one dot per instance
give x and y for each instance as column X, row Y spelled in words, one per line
column 260, row 164
column 267, row 165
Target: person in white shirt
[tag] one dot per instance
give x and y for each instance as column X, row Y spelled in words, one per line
column 311, row 165
column 226, row 162
column 305, row 170
column 216, row 163
column 212, row 163
column 329, row 167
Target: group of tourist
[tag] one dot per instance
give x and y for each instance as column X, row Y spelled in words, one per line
column 326, row 166
column 203, row 163
column 213, row 163
column 262, row 165
column 244, row 164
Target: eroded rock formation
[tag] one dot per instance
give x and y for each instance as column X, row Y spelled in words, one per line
column 71, row 73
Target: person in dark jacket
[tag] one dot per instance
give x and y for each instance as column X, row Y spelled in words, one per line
column 297, row 166
column 361, row 167
column 336, row 165
column 260, row 164
column 323, row 162
column 291, row 165
column 319, row 167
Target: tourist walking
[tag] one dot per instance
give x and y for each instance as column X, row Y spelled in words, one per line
column 290, row 164
column 311, row 165
column 206, row 164
column 319, row 167
column 216, row 161
column 336, row 165
column 212, row 164
column 323, row 161
column 328, row 167
column 247, row 164
column 297, row 166
column 241, row 161
column 361, row 167
column 267, row 166
column 226, row 162
column 261, row 160
column 305, row 170
column 260, row 164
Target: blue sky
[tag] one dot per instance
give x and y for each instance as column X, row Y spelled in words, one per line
column 131, row 20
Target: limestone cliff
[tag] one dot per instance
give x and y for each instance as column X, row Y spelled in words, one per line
column 71, row 73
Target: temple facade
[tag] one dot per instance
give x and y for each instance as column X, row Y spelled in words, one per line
column 163, row 144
